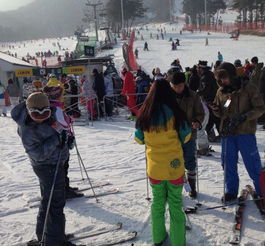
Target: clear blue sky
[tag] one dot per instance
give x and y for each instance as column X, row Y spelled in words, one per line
column 6, row 5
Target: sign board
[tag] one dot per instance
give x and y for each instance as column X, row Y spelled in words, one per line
column 89, row 51
column 27, row 72
column 44, row 71
column 83, row 38
column 74, row 70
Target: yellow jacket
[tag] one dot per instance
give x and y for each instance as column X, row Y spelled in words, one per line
column 163, row 148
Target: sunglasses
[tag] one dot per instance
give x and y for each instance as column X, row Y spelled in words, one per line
column 40, row 114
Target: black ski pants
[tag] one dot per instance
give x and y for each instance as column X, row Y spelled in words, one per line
column 55, row 232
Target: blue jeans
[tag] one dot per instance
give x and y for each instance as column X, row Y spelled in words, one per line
column 189, row 151
column 55, row 232
column 247, row 145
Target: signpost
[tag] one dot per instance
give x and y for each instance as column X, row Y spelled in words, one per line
column 27, row 72
column 74, row 70
column 89, row 51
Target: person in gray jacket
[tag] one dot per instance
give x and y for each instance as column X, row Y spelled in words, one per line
column 47, row 148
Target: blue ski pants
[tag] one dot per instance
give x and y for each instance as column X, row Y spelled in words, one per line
column 189, row 152
column 247, row 145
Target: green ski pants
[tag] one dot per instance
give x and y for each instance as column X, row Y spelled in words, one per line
column 162, row 193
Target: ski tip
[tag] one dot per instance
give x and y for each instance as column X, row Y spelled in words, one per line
column 133, row 233
column 119, row 225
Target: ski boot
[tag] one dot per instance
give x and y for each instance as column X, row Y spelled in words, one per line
column 70, row 194
column 228, row 197
column 33, row 242
column 192, row 182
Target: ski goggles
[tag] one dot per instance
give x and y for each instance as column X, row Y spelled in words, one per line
column 40, row 113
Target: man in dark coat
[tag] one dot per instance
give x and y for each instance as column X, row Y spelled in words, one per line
column 99, row 88
column 207, row 90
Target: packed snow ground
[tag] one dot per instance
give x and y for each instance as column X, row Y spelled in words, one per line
column 109, row 153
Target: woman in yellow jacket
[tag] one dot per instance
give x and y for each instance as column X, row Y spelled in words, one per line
column 161, row 126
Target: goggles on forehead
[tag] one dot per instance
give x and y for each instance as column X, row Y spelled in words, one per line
column 40, row 114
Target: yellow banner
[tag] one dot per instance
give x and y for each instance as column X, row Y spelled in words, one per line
column 27, row 72
column 74, row 70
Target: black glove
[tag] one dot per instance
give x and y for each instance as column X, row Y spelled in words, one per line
column 230, row 125
column 236, row 121
column 63, row 138
column 71, row 142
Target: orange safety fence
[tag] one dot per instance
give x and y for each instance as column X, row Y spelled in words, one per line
column 228, row 27
column 132, row 60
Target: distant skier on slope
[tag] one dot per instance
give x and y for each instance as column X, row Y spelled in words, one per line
column 146, row 46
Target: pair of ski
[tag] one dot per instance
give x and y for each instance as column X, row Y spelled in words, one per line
column 113, row 238
column 237, row 230
column 241, row 203
column 36, row 202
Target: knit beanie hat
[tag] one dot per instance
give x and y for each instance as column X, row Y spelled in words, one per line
column 37, row 100
column 178, row 78
column 230, row 68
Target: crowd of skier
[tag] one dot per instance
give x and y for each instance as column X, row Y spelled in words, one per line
column 178, row 113
column 224, row 104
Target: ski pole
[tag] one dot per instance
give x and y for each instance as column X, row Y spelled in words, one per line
column 225, row 166
column 83, row 165
column 50, row 199
column 197, row 173
column 80, row 165
column 72, row 128
column 147, row 181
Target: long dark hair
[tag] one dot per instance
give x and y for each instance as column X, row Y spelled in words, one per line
column 160, row 93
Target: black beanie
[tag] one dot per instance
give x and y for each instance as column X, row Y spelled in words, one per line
column 230, row 68
column 178, row 78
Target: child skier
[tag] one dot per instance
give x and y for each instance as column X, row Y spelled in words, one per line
column 162, row 128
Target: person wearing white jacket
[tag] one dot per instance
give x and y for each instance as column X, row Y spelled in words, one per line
column 109, row 94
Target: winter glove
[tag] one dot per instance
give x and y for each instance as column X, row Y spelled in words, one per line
column 63, row 136
column 230, row 125
column 236, row 121
column 71, row 142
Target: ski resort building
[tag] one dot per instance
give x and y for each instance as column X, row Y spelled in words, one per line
column 10, row 65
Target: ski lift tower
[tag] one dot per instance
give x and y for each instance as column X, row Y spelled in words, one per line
column 170, row 11
column 94, row 5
